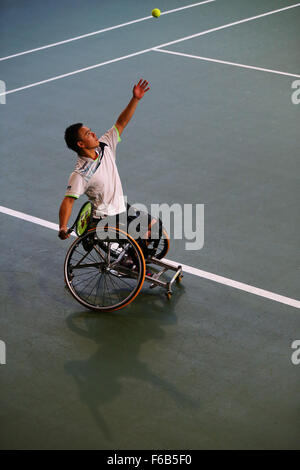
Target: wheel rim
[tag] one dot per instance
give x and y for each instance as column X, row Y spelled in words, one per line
column 94, row 275
column 163, row 245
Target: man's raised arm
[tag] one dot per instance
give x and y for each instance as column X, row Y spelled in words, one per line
column 138, row 92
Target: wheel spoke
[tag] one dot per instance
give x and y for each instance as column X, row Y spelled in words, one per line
column 99, row 282
column 97, row 278
column 113, row 282
column 91, row 291
column 84, row 281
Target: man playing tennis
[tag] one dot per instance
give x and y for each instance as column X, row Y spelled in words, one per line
column 96, row 173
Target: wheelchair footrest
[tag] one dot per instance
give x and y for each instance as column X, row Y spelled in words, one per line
column 166, row 266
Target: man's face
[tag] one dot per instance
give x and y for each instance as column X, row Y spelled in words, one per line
column 87, row 139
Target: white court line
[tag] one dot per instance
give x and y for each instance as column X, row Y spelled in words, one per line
column 54, row 44
column 147, row 50
column 229, row 25
column 239, row 285
column 189, row 269
column 29, row 218
column 235, row 64
column 185, row 7
column 91, row 67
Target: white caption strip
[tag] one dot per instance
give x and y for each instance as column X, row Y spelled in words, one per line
column 188, row 269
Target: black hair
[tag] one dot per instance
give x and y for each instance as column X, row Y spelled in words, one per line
column 71, row 136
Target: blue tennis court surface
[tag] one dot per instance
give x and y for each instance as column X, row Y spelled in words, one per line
column 213, row 368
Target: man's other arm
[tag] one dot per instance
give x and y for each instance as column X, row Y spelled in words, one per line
column 64, row 215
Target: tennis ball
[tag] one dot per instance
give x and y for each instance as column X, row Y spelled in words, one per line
column 156, row 13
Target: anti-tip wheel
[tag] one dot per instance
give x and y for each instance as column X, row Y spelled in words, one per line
column 169, row 295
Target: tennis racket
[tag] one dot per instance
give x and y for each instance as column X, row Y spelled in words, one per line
column 83, row 219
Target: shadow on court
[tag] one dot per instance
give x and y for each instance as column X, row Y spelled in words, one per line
column 119, row 337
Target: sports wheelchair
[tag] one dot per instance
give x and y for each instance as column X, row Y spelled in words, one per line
column 105, row 268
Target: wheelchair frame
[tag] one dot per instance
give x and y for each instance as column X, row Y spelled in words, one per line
column 107, row 259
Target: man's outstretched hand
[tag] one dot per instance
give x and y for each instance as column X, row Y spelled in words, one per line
column 140, row 89
column 138, row 92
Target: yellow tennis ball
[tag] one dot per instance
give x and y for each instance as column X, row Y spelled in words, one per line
column 156, row 12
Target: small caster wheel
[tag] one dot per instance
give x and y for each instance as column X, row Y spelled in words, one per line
column 168, row 295
column 179, row 278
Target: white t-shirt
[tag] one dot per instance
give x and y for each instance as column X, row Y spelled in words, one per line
column 100, row 182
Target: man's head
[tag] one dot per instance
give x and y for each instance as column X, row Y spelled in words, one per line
column 80, row 138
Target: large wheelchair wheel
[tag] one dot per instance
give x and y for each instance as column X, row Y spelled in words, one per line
column 104, row 271
column 162, row 247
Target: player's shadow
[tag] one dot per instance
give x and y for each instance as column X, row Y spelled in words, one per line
column 119, row 336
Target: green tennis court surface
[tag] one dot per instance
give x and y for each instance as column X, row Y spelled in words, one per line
column 212, row 367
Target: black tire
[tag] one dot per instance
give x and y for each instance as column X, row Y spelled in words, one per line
column 162, row 248
column 99, row 272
